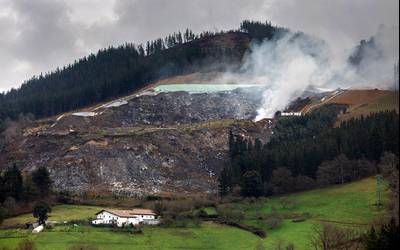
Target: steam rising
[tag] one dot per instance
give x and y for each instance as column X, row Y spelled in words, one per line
column 295, row 62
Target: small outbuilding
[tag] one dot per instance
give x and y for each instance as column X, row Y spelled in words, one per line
column 38, row 229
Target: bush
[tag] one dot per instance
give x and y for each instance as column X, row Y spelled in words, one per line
column 229, row 213
column 288, row 203
column 180, row 221
column 280, row 244
column 82, row 247
column 327, row 236
column 2, row 214
column 299, row 219
column 201, row 214
column 26, row 245
column 385, row 238
column 259, row 245
column 302, row 182
column 273, row 220
column 282, row 181
column 65, row 198
column 49, row 225
column 10, row 206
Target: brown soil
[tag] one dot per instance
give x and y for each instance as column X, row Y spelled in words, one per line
column 358, row 97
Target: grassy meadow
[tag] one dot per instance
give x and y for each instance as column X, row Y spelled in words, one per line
column 349, row 205
column 346, row 205
column 207, row 236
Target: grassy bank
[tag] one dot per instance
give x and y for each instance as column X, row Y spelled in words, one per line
column 346, row 205
column 207, row 236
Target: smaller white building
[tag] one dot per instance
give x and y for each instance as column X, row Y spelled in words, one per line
column 38, row 229
column 291, row 114
column 126, row 217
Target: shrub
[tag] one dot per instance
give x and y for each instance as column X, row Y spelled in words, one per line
column 228, row 213
column 26, row 245
column 288, row 203
column 327, row 236
column 2, row 215
column 280, row 244
column 282, row 181
column 302, row 182
column 201, row 214
column 65, row 198
column 82, row 247
column 273, row 220
column 49, row 225
column 259, row 245
column 299, row 219
column 10, row 206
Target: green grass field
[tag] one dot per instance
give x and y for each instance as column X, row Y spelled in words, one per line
column 59, row 213
column 349, row 203
column 207, row 236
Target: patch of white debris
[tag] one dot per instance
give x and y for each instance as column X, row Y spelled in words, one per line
column 115, row 104
column 85, row 114
column 60, row 117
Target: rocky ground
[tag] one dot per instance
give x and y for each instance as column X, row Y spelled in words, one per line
column 170, row 142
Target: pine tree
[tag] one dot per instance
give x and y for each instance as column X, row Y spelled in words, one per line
column 251, row 184
column 41, row 178
column 12, row 183
column 225, row 181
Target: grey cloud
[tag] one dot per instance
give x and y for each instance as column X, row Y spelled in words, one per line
column 43, row 34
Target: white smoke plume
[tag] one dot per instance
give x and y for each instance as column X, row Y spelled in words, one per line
column 288, row 66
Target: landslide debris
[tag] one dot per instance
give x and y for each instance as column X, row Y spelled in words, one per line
column 169, row 142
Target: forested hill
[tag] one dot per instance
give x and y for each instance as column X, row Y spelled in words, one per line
column 119, row 70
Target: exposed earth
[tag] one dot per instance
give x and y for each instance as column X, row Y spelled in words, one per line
column 151, row 142
column 145, row 143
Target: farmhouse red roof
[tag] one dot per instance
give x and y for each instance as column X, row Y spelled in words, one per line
column 128, row 213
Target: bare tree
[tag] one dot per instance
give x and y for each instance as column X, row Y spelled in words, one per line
column 328, row 237
column 389, row 168
column 336, row 171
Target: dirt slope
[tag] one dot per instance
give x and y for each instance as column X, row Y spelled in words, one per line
column 360, row 102
column 170, row 142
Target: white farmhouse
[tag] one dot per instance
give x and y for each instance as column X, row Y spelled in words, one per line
column 126, row 217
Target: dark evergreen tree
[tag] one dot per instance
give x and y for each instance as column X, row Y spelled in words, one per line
column 41, row 178
column 40, row 211
column 384, row 239
column 12, row 183
column 251, row 184
column 225, row 182
column 310, row 147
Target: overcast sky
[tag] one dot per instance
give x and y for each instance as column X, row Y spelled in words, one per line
column 40, row 35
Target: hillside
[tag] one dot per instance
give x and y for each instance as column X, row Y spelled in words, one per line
column 118, row 71
column 359, row 102
column 140, row 144
column 349, row 206
column 143, row 143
